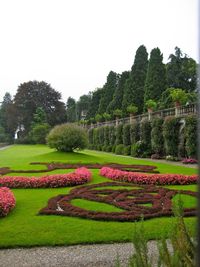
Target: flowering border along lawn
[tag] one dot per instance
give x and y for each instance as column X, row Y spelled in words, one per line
column 7, row 201
column 78, row 177
column 154, row 179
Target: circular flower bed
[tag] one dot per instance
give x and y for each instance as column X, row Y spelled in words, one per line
column 131, row 201
column 7, row 201
column 79, row 176
column 142, row 178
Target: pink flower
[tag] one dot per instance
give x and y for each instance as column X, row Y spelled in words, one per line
column 79, row 176
column 7, row 201
column 143, row 178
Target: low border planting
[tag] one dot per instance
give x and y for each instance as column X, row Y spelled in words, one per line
column 132, row 202
column 142, row 178
column 7, row 201
column 51, row 166
column 78, row 177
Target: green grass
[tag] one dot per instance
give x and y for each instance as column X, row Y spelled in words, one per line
column 24, row 227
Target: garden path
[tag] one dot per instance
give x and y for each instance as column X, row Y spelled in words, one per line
column 103, row 255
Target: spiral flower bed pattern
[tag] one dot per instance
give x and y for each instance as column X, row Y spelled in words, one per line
column 142, row 178
column 79, row 176
column 7, row 201
column 131, row 201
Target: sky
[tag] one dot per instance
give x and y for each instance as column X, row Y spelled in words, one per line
column 74, row 44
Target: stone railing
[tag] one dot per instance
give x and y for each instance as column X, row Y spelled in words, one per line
column 178, row 111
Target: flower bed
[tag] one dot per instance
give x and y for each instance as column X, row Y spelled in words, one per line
column 61, row 165
column 132, row 201
column 142, row 178
column 79, row 176
column 7, row 201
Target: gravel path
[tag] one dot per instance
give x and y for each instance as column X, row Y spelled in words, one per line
column 103, row 255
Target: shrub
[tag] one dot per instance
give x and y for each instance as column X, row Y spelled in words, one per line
column 79, row 176
column 119, row 134
column 113, row 148
column 39, row 132
column 108, row 148
column 112, row 135
column 134, row 132
column 119, row 150
column 138, row 149
column 191, row 136
column 91, row 136
column 106, row 135
column 127, row 150
column 67, row 138
column 171, row 135
column 157, row 141
column 145, row 136
column 189, row 161
column 7, row 201
column 101, row 136
column 126, row 135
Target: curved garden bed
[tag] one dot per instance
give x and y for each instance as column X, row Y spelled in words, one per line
column 142, row 178
column 79, row 176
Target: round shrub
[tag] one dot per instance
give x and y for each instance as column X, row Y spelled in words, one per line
column 91, row 136
column 67, row 138
column 119, row 150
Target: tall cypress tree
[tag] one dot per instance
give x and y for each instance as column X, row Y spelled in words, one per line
column 155, row 83
column 116, row 103
column 134, row 90
column 94, row 105
column 71, row 109
column 109, row 89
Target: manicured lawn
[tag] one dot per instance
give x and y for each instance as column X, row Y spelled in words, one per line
column 24, row 227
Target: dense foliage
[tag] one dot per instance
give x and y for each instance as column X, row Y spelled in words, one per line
column 67, row 138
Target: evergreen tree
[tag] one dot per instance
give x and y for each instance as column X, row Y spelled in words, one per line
column 181, row 71
column 94, row 104
column 71, row 109
column 83, row 105
column 8, row 117
column 134, row 90
column 116, row 103
column 109, row 89
column 155, row 83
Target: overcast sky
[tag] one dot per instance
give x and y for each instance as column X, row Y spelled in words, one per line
column 73, row 44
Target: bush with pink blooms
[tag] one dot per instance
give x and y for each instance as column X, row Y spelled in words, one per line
column 7, row 201
column 79, row 176
column 142, row 178
column 189, row 161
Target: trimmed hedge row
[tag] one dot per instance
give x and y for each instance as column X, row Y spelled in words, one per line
column 171, row 137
